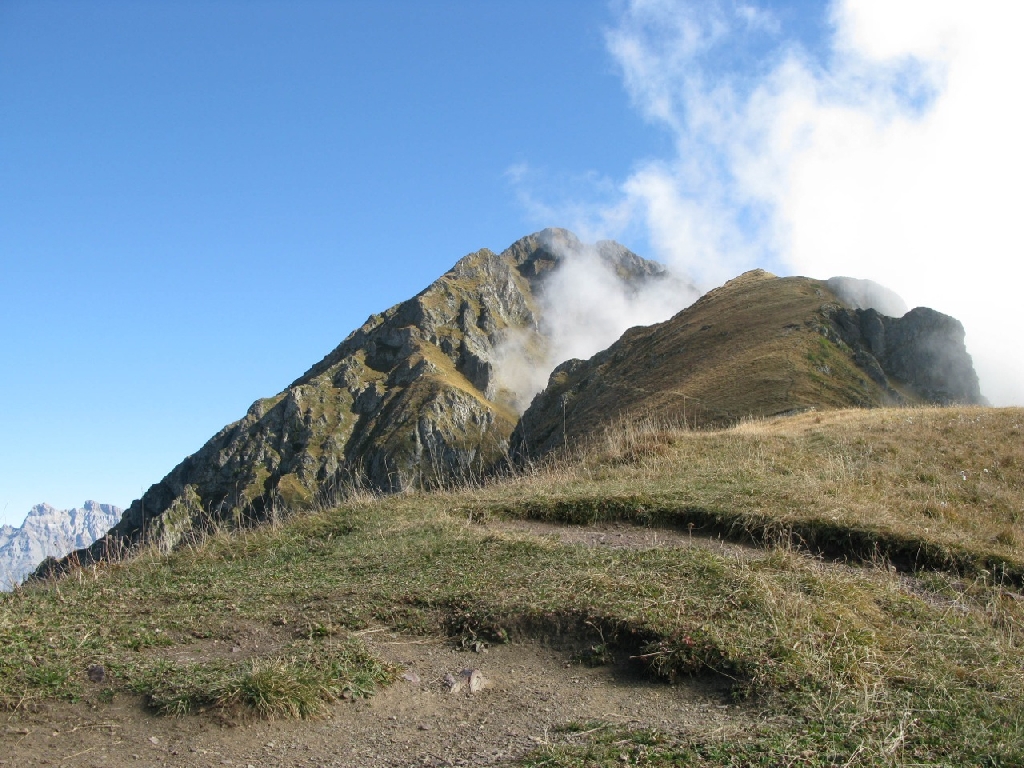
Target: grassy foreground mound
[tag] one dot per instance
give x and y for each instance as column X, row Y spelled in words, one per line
column 845, row 661
column 922, row 487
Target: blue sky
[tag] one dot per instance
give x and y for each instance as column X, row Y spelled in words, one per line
column 198, row 200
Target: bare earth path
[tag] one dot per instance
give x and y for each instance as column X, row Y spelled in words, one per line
column 531, row 692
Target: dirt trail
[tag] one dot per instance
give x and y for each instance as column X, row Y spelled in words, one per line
column 532, row 691
column 620, row 535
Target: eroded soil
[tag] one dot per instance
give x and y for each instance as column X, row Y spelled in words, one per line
column 532, row 692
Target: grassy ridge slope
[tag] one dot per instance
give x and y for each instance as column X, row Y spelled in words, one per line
column 760, row 345
column 924, row 487
column 751, row 347
column 854, row 665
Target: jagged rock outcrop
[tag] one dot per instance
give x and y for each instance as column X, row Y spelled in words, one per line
column 922, row 350
column 412, row 398
column 758, row 346
column 49, row 532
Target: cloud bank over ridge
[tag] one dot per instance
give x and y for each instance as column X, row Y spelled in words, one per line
column 893, row 153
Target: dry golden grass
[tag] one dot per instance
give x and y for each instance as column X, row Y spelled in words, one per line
column 753, row 346
column 935, row 487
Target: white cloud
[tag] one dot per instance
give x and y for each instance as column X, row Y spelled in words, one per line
column 897, row 158
column 585, row 306
column 924, row 200
column 884, row 29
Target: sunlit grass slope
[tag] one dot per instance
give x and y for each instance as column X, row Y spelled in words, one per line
column 844, row 662
column 932, row 487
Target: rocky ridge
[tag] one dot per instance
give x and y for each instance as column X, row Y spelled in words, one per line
column 412, row 398
column 924, row 350
column 418, row 396
column 49, row 532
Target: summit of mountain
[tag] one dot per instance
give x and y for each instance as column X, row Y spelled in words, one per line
column 760, row 345
column 418, row 396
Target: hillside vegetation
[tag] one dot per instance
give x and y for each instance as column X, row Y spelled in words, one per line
column 876, row 620
column 759, row 345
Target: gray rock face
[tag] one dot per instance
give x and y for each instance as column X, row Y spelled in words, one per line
column 923, row 350
column 412, row 398
column 49, row 532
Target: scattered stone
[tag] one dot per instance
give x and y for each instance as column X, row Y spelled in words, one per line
column 411, row 677
column 97, row 673
column 154, row 740
column 236, row 649
column 473, row 680
column 452, row 683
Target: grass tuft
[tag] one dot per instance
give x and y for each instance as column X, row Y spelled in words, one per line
column 299, row 685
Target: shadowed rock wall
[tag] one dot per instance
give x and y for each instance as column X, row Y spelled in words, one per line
column 923, row 350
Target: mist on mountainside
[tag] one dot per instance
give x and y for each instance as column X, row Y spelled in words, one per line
column 891, row 154
column 585, row 305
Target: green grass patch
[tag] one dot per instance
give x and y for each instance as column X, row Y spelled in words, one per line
column 924, row 488
column 299, row 683
column 846, row 664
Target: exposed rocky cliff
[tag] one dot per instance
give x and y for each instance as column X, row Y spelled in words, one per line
column 49, row 532
column 922, row 350
column 415, row 397
column 758, row 346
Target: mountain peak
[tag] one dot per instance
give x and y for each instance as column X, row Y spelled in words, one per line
column 759, row 345
column 421, row 394
column 430, row 391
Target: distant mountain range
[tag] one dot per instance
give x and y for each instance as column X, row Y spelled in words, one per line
column 430, row 392
column 49, row 532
